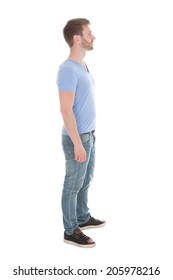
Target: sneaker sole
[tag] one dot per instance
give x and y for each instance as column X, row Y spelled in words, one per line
column 92, row 226
column 80, row 245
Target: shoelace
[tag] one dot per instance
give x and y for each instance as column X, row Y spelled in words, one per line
column 95, row 220
column 83, row 235
column 79, row 232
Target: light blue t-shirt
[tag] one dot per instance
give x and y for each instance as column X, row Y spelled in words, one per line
column 72, row 76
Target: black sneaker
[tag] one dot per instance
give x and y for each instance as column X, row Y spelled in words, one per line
column 78, row 238
column 92, row 223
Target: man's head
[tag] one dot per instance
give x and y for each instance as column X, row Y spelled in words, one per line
column 78, row 30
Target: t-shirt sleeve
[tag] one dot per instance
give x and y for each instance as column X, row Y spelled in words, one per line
column 67, row 79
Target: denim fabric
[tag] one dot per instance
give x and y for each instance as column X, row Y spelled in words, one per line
column 76, row 183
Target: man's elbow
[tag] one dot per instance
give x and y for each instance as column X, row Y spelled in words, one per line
column 65, row 111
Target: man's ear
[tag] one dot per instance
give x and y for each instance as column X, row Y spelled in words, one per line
column 76, row 39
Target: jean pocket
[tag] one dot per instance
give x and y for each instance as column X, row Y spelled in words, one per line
column 85, row 137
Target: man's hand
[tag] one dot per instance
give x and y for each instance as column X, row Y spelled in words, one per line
column 80, row 153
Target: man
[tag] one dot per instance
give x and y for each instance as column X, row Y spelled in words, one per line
column 76, row 88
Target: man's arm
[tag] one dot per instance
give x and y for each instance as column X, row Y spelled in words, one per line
column 66, row 107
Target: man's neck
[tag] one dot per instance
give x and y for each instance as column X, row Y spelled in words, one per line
column 77, row 55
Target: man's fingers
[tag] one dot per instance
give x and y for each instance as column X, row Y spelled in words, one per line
column 80, row 153
column 79, row 158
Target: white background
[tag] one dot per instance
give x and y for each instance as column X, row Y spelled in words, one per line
column 132, row 63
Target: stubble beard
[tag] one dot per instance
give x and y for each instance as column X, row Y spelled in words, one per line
column 86, row 45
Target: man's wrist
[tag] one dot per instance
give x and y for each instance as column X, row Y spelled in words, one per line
column 78, row 144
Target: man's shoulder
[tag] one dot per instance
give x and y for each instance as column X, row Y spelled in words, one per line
column 70, row 68
column 67, row 64
column 67, row 67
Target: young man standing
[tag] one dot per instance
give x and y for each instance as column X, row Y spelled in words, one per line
column 76, row 93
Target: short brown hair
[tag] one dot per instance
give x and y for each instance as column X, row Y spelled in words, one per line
column 74, row 27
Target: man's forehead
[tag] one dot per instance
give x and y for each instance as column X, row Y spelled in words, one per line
column 86, row 28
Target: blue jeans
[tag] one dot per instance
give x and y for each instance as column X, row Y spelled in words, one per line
column 76, row 183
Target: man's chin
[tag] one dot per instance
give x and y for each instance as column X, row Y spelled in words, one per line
column 90, row 49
